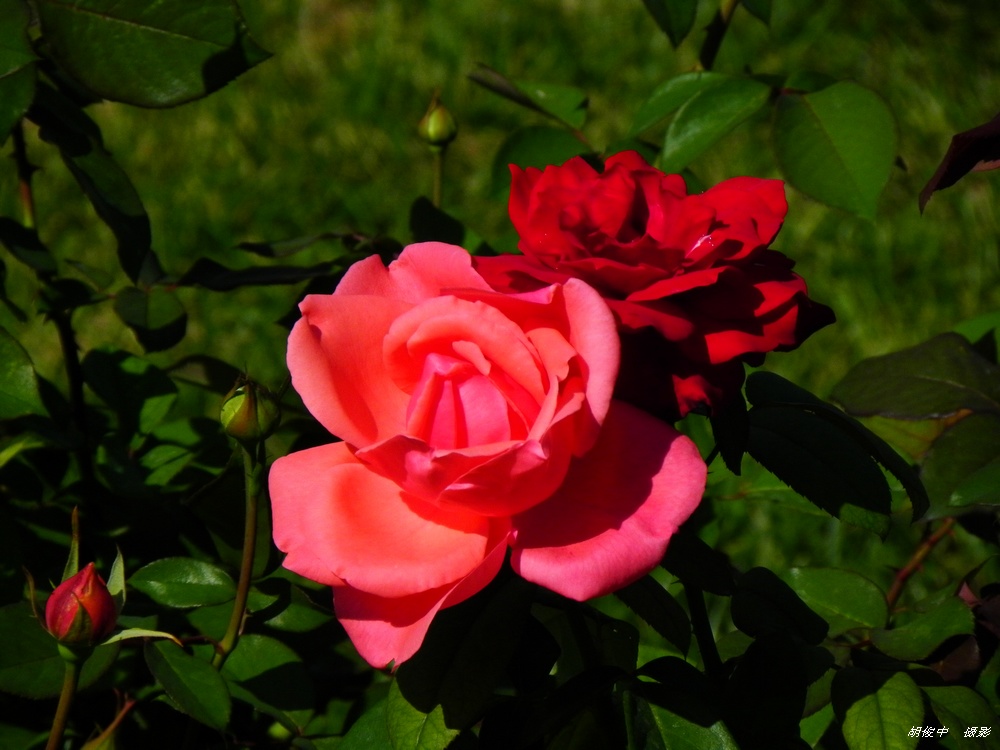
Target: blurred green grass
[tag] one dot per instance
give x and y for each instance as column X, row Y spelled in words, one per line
column 322, row 137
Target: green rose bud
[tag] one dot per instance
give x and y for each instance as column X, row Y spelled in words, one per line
column 81, row 610
column 250, row 412
column 438, row 128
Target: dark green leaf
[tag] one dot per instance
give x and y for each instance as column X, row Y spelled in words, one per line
column 104, row 182
column 763, row 603
column 925, row 632
column 934, row 379
column 193, row 685
column 759, row 8
column 206, row 371
column 695, row 563
column 731, row 430
column 30, row 664
column 564, row 103
column 674, row 17
column 155, row 315
column 428, row 223
column 284, row 248
column 836, row 145
column 959, row 708
column 24, row 245
column 411, row 729
column 19, row 393
column 17, row 65
column 659, row 609
column 534, row 146
column 269, row 676
column 183, row 582
column 217, row 277
column 962, row 450
column 669, row 96
column 141, row 394
column 768, row 388
column 981, row 487
column 149, row 54
column 463, row 657
column 298, row 613
column 877, row 710
column 708, row 116
column 821, row 463
column 370, row 732
column 845, row 599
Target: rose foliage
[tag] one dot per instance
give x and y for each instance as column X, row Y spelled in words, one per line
column 472, row 421
column 695, row 289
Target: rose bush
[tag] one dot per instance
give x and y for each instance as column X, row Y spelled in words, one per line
column 690, row 278
column 472, row 421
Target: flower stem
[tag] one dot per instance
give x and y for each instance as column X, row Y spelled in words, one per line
column 916, row 560
column 70, row 679
column 438, row 176
column 716, row 32
column 253, row 467
column 24, row 171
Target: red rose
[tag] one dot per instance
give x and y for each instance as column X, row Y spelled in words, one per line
column 81, row 610
column 696, row 269
column 472, row 421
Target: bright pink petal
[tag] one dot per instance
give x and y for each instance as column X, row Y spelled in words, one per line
column 335, row 358
column 388, row 631
column 611, row 520
column 339, row 521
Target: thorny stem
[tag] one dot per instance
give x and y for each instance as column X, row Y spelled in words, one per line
column 916, row 560
column 253, row 467
column 716, row 32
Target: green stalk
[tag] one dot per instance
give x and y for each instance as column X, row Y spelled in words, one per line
column 71, row 678
column 253, row 467
column 703, row 632
column 438, row 175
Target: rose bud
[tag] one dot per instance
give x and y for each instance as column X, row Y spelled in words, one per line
column 81, row 609
column 438, row 128
column 250, row 412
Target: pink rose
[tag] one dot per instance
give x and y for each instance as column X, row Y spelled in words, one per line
column 690, row 278
column 81, row 610
column 471, row 421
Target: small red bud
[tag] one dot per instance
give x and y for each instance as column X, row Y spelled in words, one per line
column 81, row 610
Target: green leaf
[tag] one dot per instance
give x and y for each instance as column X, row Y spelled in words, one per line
column 208, row 274
column 821, row 463
column 925, row 632
column 845, row 599
column 959, row 453
column 411, row 729
column 877, row 711
column 298, row 613
column 183, row 582
column 533, row 146
column 708, row 116
column 763, row 603
column 567, row 104
column 668, row 96
column 836, row 145
column 934, row 379
column 981, row 487
column 23, row 244
column 132, row 633
column 155, row 316
column 959, row 708
column 674, row 17
column 19, row 393
column 370, row 732
column 192, row 684
column 141, row 394
column 17, row 65
column 110, row 191
column 428, row 223
column 768, row 388
column 659, row 609
column 30, row 664
column 652, row 726
column 149, row 54
column 759, row 9
column 268, row 675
